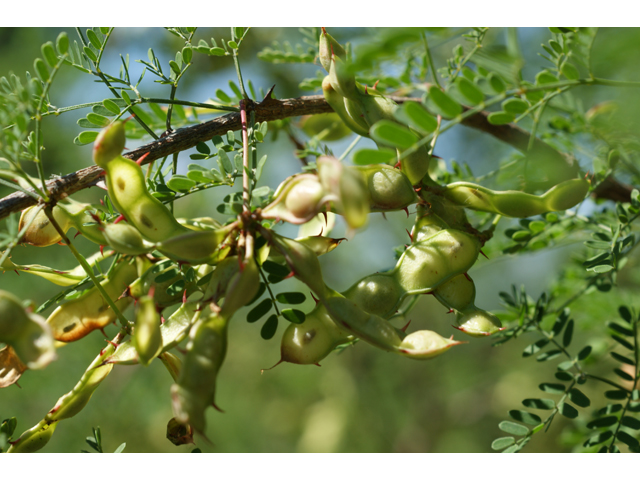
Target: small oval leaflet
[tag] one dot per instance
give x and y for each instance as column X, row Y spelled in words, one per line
column 525, row 417
column 555, row 388
column 568, row 410
column 269, row 328
column 291, row 298
column 442, row 103
column 293, row 315
column 259, row 310
column 370, row 157
column 390, row 133
column 513, row 428
column 502, row 442
column 414, row 115
column 579, row 398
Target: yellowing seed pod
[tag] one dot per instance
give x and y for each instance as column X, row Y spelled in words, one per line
column 109, row 143
column 197, row 247
column 147, row 336
column 34, row 439
column 41, row 233
column 125, row 239
column 478, row 323
column 425, row 344
column 351, row 119
column 328, row 47
column 11, row 367
column 459, row 293
column 326, row 127
column 297, row 200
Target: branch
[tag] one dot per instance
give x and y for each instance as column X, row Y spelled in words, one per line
column 268, row 110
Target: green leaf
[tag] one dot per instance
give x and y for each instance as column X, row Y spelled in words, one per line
column 442, row 103
column 623, row 359
column 187, row 54
column 217, row 51
column 603, row 422
column 93, row 38
column 502, row 442
column 535, row 347
column 615, row 394
column 571, row 72
column 49, row 54
column 596, row 245
column 291, row 298
column 501, row 118
column 121, row 448
column 623, row 342
column 469, row 91
column 563, row 376
column 555, row 388
column 261, row 289
column 568, row 410
column 565, row 365
column 549, row 355
column 260, row 310
column 601, row 268
column 90, row 53
column 415, row 115
column 579, row 398
column 85, row 137
column 393, row 134
column 515, row 106
column 609, row 409
column 525, row 417
column 269, row 328
column 224, row 98
column 370, row 157
column 111, row 106
column 622, row 374
column 599, row 438
column 625, row 313
column 631, row 442
column 180, row 183
column 584, row 353
column 620, row 329
column 62, row 43
column 513, row 428
column 275, row 269
column 568, row 334
column 99, row 120
column 202, row 147
column 293, row 315
column 545, row 77
column 631, row 422
column 174, row 66
column 496, row 83
column 539, row 403
column 41, row 69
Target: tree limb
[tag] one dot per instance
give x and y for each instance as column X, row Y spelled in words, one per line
column 271, row 109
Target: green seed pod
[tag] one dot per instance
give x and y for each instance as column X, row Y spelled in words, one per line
column 427, row 225
column 34, row 439
column 109, row 144
column 449, row 213
column 478, row 323
column 328, row 47
column 244, row 285
column 377, row 294
column 197, row 247
column 172, row 363
column 41, row 233
column 147, row 336
column 80, row 316
column 81, row 220
column 351, row 119
column 326, row 127
column 26, row 333
column 196, row 387
column 125, row 239
column 389, row 188
column 200, row 223
column 11, row 367
column 427, row 264
column 459, row 293
column 425, row 344
column 221, row 278
column 297, row 200
column 343, row 79
column 319, row 244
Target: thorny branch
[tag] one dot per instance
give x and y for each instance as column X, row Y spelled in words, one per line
column 271, row 109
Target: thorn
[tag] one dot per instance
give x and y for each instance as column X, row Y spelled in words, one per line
column 213, row 404
column 406, row 209
column 103, row 332
column 417, row 189
column 398, row 165
column 17, row 273
column 181, row 350
column 102, row 250
column 383, row 215
column 162, row 320
column 365, row 90
column 409, row 233
column 265, row 369
column 451, row 310
column 483, row 254
column 314, row 298
column 326, row 220
column 290, row 275
column 184, row 296
column 77, row 233
column 323, row 30
column 317, row 365
column 102, row 202
column 60, row 243
column 141, row 159
column 113, row 344
column 119, row 219
column 152, row 291
column 468, row 277
column 404, row 329
column 587, row 175
column 375, row 85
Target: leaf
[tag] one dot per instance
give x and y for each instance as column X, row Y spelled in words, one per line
column 568, row 334
column 41, row 69
column 609, row 409
column 90, row 54
column 623, row 359
column 555, row 388
column 515, row 106
column 539, row 403
column 99, row 120
column 180, row 183
column 598, row 245
column 568, row 410
column 564, row 376
column 293, row 315
column 631, row 442
column 49, row 54
column 370, row 157
column 615, row 394
column 269, row 328
column 93, row 38
column 535, row 347
column 414, row 115
column 393, row 134
column 601, row 268
column 502, row 442
column 623, row 342
column 525, row 417
column 584, row 353
column 500, row 118
column 85, row 138
column 549, row 355
column 62, row 43
column 625, row 313
column 620, row 329
column 442, row 104
column 291, row 298
column 513, row 428
column 259, row 310
column 599, row 438
column 469, row 91
column 579, row 398
column 111, row 106
column 622, row 374
column 275, row 269
column 497, row 84
column 121, row 448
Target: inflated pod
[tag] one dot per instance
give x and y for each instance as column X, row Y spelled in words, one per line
column 82, row 220
column 109, row 144
column 11, row 367
column 221, row 278
column 197, row 247
column 41, row 233
column 80, row 316
column 199, row 223
column 478, row 323
column 389, row 188
column 297, row 200
column 147, row 336
column 427, row 264
column 172, row 363
column 459, row 293
column 512, row 203
column 27, row 333
column 242, row 287
column 34, row 439
column 328, row 46
column 427, row 225
column 326, row 127
column 339, row 105
column 378, row 294
column 342, row 78
column 452, row 214
column 319, row 244
column 425, row 344
column 196, row 387
column 125, row 239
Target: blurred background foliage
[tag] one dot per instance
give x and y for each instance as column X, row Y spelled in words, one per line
column 361, row 400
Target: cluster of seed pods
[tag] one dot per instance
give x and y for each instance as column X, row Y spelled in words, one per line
column 152, row 249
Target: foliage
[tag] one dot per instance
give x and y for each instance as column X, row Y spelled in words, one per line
column 403, row 89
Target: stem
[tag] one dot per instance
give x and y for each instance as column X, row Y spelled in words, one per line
column 609, row 382
column 430, row 60
column 246, row 181
column 266, row 284
column 237, row 64
column 350, row 147
column 87, row 268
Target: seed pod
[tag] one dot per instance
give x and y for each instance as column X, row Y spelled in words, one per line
column 319, row 244
column 221, row 278
column 343, row 79
column 196, row 387
column 328, row 47
column 172, row 363
column 389, row 188
column 478, row 323
column 425, row 344
column 427, row 264
column 427, row 225
column 34, row 439
column 41, row 233
column 297, row 200
column 125, row 239
column 242, row 287
column 459, row 293
column 351, row 119
column 179, row 434
column 199, row 224
column 27, row 333
column 325, row 127
column 163, row 295
column 147, row 336
column 11, row 367
column 377, row 294
column 82, row 220
column 80, row 316
column 109, row 144
column 197, row 247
